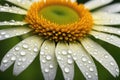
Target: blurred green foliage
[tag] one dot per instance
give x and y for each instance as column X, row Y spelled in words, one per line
column 33, row 72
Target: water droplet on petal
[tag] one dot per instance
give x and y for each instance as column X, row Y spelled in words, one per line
column 42, row 52
column 59, row 58
column 64, row 52
column 67, row 70
column 22, row 53
column 25, row 46
column 8, row 55
column 48, row 57
column 46, row 70
column 5, row 61
column 84, row 59
column 7, row 36
column 89, row 62
column 69, row 51
column 35, row 49
column 13, row 58
column 18, row 63
column 91, row 69
column 43, row 61
column 106, row 56
column 17, row 48
column 111, row 63
column 89, row 76
column 117, row 70
column 70, row 61
column 51, row 66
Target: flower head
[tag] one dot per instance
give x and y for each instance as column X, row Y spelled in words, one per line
column 61, row 33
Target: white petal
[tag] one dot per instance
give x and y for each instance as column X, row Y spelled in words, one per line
column 101, row 55
column 8, row 33
column 84, row 61
column 107, row 29
column 113, row 8
column 12, row 22
column 29, row 49
column 22, row 3
column 12, row 9
column 104, row 18
column 63, row 59
column 14, row 54
column 48, row 60
column 107, row 38
column 92, row 4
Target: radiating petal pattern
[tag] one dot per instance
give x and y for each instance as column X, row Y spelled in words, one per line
column 28, row 50
column 104, row 18
column 113, row 8
column 8, row 33
column 92, row 4
column 65, row 60
column 101, row 55
column 84, row 61
column 12, row 9
column 48, row 60
column 107, row 29
column 114, row 40
column 12, row 22
column 22, row 3
column 22, row 54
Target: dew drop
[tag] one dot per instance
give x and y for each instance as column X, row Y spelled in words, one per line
column 117, row 70
column 67, row 70
column 70, row 61
column 13, row 58
column 111, row 63
column 2, row 33
column 59, row 58
column 106, row 56
column 7, row 36
column 18, row 63
column 89, row 62
column 8, row 55
column 25, row 46
column 84, row 59
column 91, row 69
column 51, row 66
column 5, row 61
column 46, row 70
column 17, row 48
column 35, row 49
column 64, row 52
column 48, row 57
column 22, row 53
column 43, row 61
column 89, row 76
column 69, row 51
column 42, row 52
column 69, row 56
column 75, row 58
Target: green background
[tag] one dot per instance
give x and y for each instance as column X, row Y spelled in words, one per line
column 33, row 72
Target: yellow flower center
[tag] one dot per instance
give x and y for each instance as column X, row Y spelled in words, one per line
column 60, row 20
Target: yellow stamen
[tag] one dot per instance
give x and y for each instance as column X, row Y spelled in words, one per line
column 58, row 32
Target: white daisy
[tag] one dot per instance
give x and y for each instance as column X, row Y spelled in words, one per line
column 60, row 35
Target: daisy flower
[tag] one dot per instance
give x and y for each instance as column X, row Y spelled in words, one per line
column 62, row 33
